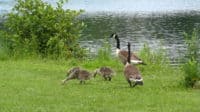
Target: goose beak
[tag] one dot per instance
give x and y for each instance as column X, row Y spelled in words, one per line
column 139, row 83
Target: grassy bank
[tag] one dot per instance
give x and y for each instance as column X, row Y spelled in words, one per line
column 34, row 85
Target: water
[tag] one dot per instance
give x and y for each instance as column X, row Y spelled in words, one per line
column 121, row 6
column 134, row 5
column 159, row 31
column 159, row 23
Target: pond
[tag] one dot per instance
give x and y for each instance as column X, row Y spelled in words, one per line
column 157, row 30
column 158, row 23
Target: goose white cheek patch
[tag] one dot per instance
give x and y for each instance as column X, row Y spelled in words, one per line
column 136, row 61
column 136, row 80
column 117, row 51
column 114, row 35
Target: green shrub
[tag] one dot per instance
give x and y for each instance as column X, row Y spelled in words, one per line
column 192, row 74
column 192, row 66
column 36, row 27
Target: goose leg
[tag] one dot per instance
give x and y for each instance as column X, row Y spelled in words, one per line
column 129, row 83
column 105, row 78
column 82, row 82
column 109, row 78
column 134, row 84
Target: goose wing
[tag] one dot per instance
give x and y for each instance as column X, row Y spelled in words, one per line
column 124, row 53
column 135, row 57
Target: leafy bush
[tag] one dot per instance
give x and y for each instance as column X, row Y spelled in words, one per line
column 192, row 66
column 36, row 27
column 192, row 73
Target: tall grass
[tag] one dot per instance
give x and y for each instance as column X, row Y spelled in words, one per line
column 156, row 60
column 4, row 48
column 192, row 73
column 3, row 53
column 192, row 66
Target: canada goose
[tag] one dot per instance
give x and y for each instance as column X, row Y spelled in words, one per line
column 105, row 72
column 77, row 73
column 131, row 73
column 123, row 54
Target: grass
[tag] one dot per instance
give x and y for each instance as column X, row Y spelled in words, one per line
column 34, row 85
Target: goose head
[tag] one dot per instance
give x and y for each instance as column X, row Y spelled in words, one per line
column 113, row 35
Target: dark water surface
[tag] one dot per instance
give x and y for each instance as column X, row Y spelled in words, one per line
column 159, row 23
column 163, row 30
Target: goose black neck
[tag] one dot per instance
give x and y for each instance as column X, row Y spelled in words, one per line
column 118, row 42
column 129, row 53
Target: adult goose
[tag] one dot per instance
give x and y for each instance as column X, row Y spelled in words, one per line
column 131, row 73
column 123, row 54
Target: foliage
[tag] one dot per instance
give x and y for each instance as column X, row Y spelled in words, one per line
column 192, row 72
column 158, row 64
column 104, row 53
column 192, row 66
column 154, row 57
column 193, row 46
column 36, row 27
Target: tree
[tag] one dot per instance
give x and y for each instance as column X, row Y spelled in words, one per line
column 36, row 27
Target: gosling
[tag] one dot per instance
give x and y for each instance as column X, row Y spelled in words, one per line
column 106, row 72
column 77, row 73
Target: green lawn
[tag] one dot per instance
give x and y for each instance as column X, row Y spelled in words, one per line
column 35, row 86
